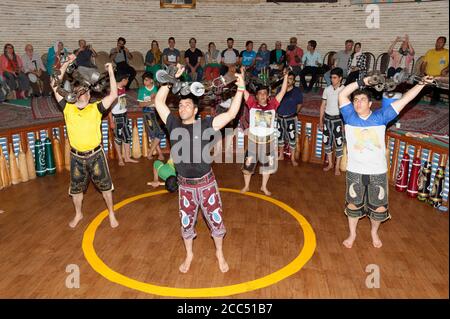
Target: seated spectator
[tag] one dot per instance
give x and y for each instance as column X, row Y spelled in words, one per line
column 193, row 58
column 262, row 58
column 294, row 56
column 248, row 56
column 56, row 55
column 171, row 56
column 402, row 58
column 356, row 66
column 153, row 59
column 311, row 62
column 278, row 58
column 212, row 62
column 84, row 54
column 229, row 58
column 120, row 55
column 11, row 69
column 35, row 69
column 340, row 61
column 435, row 63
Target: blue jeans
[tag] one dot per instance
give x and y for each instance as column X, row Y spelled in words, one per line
column 199, row 74
column 327, row 77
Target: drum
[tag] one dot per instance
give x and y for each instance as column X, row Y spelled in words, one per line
column 32, row 77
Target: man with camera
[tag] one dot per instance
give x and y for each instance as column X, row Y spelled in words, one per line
column 87, row 158
column 84, row 54
column 120, row 55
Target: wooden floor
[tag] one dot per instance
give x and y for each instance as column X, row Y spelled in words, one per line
column 36, row 243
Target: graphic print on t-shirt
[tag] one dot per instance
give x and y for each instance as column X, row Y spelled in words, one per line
column 262, row 122
column 366, row 139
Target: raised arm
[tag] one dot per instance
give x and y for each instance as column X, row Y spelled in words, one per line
column 391, row 48
column 344, row 96
column 223, row 119
column 284, row 86
column 161, row 97
column 62, row 71
column 108, row 100
column 411, row 94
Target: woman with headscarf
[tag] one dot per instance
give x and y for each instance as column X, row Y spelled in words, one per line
column 212, row 62
column 11, row 69
column 57, row 54
column 357, row 68
column 153, row 59
column 401, row 59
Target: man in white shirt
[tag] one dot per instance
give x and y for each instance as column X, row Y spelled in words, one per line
column 311, row 62
column 35, row 69
column 333, row 130
column 229, row 58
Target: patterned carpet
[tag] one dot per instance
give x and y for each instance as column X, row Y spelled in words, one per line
column 416, row 117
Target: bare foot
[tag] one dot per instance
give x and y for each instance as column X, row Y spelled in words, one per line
column 75, row 221
column 266, row 191
column 326, row 169
column 281, row 157
column 376, row 242
column 121, row 163
column 294, row 163
column 149, row 156
column 130, row 160
column 337, row 172
column 348, row 243
column 161, row 157
column 223, row 265
column 113, row 221
column 184, row 267
column 245, row 190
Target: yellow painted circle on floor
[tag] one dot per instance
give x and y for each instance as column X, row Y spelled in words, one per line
column 288, row 270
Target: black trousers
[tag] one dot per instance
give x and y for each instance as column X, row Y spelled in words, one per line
column 125, row 68
column 309, row 70
column 352, row 77
column 392, row 71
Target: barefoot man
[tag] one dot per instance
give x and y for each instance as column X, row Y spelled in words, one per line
column 87, row 159
column 261, row 134
column 118, row 121
column 367, row 183
column 190, row 151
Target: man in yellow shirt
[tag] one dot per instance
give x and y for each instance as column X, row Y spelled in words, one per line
column 435, row 63
column 87, row 158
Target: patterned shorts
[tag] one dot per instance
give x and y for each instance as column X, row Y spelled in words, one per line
column 263, row 153
column 152, row 126
column 94, row 167
column 367, row 193
column 122, row 132
column 204, row 194
column 333, row 134
column 287, row 131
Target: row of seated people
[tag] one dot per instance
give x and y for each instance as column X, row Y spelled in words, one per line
column 21, row 73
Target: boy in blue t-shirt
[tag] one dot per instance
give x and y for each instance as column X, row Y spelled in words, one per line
column 367, row 183
column 146, row 100
column 247, row 57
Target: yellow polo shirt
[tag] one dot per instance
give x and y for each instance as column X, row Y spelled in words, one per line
column 436, row 61
column 83, row 126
